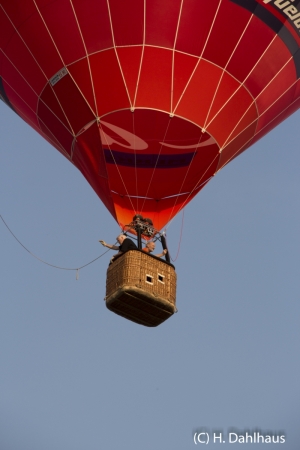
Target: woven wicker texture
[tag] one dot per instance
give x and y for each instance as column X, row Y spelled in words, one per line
column 141, row 288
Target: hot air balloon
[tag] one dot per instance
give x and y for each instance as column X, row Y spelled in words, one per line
column 150, row 99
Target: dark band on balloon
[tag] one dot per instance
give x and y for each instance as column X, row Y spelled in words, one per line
column 3, row 95
column 143, row 161
column 276, row 25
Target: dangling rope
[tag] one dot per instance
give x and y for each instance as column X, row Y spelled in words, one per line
column 179, row 239
column 45, row 262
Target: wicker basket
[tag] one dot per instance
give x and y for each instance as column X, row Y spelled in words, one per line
column 141, row 288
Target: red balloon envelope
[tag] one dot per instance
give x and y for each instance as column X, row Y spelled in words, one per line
column 150, row 98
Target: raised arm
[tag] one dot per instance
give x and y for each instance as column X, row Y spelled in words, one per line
column 112, row 247
column 162, row 254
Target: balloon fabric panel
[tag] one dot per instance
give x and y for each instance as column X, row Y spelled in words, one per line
column 94, row 22
column 130, row 61
column 196, row 20
column 127, row 22
column 150, row 99
column 110, row 91
column 161, row 22
column 71, row 46
column 80, row 73
column 225, row 20
column 17, row 84
column 155, row 79
column 33, row 37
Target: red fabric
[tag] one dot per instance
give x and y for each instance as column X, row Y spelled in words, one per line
column 220, row 71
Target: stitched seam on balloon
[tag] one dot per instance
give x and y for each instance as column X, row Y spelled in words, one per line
column 142, row 108
column 186, row 174
column 274, row 118
column 221, row 78
column 88, row 61
column 116, row 53
column 195, row 68
column 83, row 129
column 117, row 168
column 150, row 198
column 51, row 37
column 240, row 150
column 54, row 141
column 249, row 140
column 257, row 119
column 34, row 60
column 39, row 99
column 142, row 57
column 173, row 56
column 243, row 82
column 168, row 49
column 157, row 161
column 255, row 102
column 37, row 116
column 197, row 185
column 135, row 167
column 64, row 65
column 137, row 85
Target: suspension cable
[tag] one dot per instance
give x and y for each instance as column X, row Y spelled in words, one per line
column 45, row 262
column 180, row 238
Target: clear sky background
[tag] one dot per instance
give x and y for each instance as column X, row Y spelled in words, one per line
column 75, row 376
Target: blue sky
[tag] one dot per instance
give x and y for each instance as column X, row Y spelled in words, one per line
column 73, row 375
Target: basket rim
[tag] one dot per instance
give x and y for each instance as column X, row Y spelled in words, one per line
column 146, row 254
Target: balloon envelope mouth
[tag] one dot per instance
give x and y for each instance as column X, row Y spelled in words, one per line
column 154, row 162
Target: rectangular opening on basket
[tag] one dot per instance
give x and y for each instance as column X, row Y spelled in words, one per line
column 161, row 278
column 149, row 279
